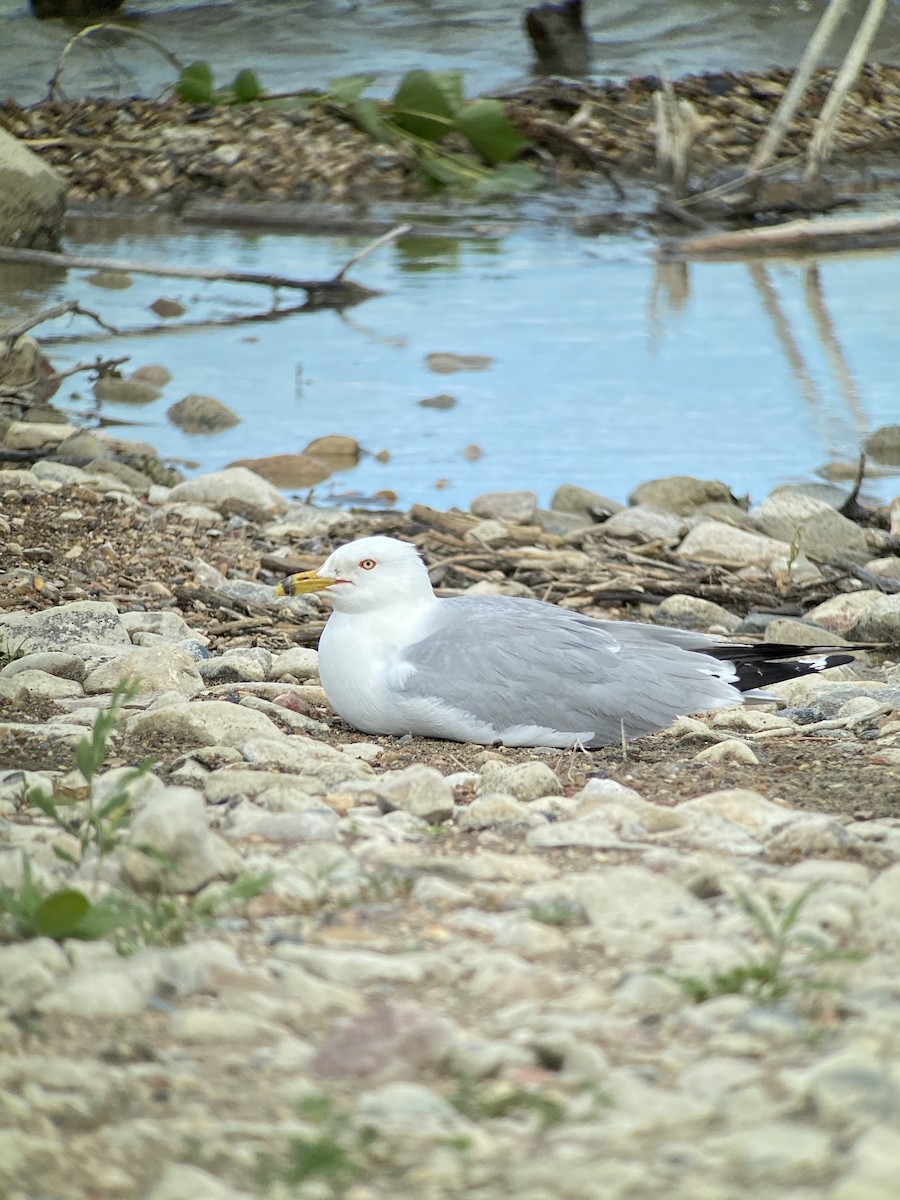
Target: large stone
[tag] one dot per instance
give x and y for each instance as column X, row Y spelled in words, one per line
column 235, row 488
column 788, row 632
column 570, row 498
column 207, row 723
column 884, row 445
column 185, row 855
column 517, row 507
column 727, row 546
column 680, row 493
column 691, row 612
column 181, row 1181
column 419, row 790
column 841, row 613
column 32, row 198
column 645, row 523
column 746, row 808
column 525, row 781
column 880, row 623
column 63, row 627
column 286, row 470
column 202, row 414
column 811, row 526
column 153, row 669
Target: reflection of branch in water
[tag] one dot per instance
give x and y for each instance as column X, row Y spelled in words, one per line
column 815, row 302
column 108, row 26
column 669, row 295
column 759, row 276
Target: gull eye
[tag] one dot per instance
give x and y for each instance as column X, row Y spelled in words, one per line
column 368, row 563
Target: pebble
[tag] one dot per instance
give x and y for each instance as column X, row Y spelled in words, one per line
column 418, row 790
column 236, row 487
column 646, row 523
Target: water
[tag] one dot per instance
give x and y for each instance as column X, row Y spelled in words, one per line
column 605, row 371
column 292, row 43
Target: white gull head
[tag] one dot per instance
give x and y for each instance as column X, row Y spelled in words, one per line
column 375, row 573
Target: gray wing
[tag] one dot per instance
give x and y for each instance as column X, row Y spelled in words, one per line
column 513, row 662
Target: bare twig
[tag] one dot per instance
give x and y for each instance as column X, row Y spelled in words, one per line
column 391, row 236
column 790, row 101
column 89, row 31
column 12, row 332
column 823, row 137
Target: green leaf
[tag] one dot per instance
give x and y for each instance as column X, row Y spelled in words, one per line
column 43, row 801
column 367, row 115
column 450, row 171
column 490, row 131
column 421, row 106
column 86, row 759
column 64, row 855
column 195, row 84
column 106, row 915
column 451, row 84
column 512, row 177
column 61, row 914
column 246, row 86
column 346, row 89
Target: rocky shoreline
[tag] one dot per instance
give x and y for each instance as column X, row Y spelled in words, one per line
column 171, row 152
column 422, row 966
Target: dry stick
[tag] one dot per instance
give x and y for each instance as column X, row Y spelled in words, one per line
column 823, row 137
column 790, row 101
column 391, row 235
column 12, row 332
column 825, row 331
column 89, row 30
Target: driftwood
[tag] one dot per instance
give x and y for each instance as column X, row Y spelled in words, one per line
column 793, row 238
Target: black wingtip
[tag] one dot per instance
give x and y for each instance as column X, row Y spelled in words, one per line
column 766, row 663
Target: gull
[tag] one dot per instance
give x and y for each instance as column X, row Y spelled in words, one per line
column 502, row 670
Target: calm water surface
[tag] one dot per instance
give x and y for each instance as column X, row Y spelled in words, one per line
column 605, row 371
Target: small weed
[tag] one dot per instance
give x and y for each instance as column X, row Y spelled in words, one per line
column 11, row 651
column 479, row 1101
column 557, row 912
column 769, row 976
column 388, row 884
column 332, row 1153
column 100, row 826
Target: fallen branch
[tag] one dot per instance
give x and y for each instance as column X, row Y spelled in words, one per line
column 12, row 333
column 819, row 237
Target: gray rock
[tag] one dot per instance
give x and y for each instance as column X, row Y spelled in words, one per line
column 207, row 723
column 750, row 810
column 497, row 809
column 727, row 546
column 316, row 764
column 250, row 664
column 181, row 1181
column 173, row 824
column 60, row 472
column 418, row 790
column 526, row 781
column 235, row 487
column 778, row 1153
column 65, row 666
column 788, row 632
column 386, row 1042
column 812, row 835
column 517, row 508
column 169, row 625
column 202, row 414
column 889, row 566
column 315, row 823
column 210, row 1025
column 680, row 494
column 300, row 661
column 842, row 612
column 880, row 622
column 125, row 391
column 359, row 968
column 28, row 971
column 560, row 524
column 646, row 523
column 27, row 687
column 851, row 1088
column 408, row 1111
column 690, row 612
column 633, row 898
column 62, row 627
column 570, row 498
column 155, row 669
column 884, row 445
column 813, row 527
column 32, row 198
column 873, row 1167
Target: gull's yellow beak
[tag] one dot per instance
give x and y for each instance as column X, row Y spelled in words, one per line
column 306, row 581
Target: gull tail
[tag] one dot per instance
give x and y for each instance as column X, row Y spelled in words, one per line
column 766, row 663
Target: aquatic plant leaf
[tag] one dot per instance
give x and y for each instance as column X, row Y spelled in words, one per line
column 105, row 916
column 367, row 115
column 348, row 88
column 450, row 171
column 421, row 106
column 490, row 131
column 246, row 87
column 61, row 913
column 512, row 177
column 451, row 84
column 195, row 84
